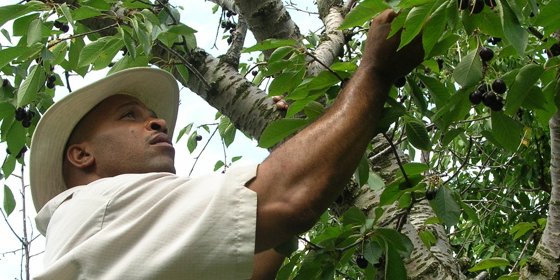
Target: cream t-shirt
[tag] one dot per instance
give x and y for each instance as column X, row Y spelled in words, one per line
column 152, row 226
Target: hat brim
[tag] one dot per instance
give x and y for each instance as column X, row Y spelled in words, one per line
column 156, row 88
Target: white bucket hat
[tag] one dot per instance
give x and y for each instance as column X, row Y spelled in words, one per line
column 156, row 88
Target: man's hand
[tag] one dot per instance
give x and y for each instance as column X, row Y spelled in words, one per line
column 381, row 55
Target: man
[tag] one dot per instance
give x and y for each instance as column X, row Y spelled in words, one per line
column 112, row 208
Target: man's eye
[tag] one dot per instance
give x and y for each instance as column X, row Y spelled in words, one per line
column 129, row 115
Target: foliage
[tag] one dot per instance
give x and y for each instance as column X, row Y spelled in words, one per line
column 489, row 167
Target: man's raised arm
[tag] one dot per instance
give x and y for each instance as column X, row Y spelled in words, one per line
column 302, row 177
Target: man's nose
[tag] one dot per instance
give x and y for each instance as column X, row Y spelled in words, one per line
column 158, row 125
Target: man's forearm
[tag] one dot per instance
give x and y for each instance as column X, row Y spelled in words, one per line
column 301, row 178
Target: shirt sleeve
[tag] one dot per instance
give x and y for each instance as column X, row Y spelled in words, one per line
column 156, row 226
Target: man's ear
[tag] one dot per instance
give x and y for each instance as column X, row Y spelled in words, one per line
column 79, row 156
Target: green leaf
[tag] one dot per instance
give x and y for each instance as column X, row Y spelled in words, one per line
column 192, row 142
column 394, row 266
column 97, row 4
column 16, row 137
column 227, row 130
column 269, row 44
column 390, row 194
column 35, row 32
column 324, row 80
column 427, row 238
column 362, row 171
column 412, row 168
column 183, row 131
column 489, row 263
column 417, row 134
column 9, row 165
column 521, row 87
column 183, row 71
column 513, row 276
column 362, row 13
column 506, row 131
column 128, row 42
column 280, row 53
column 514, row 32
column 287, row 247
column 375, row 182
column 85, row 13
column 415, row 20
column 6, row 110
column 142, row 35
column 469, row 71
column 433, row 29
column 218, row 165
column 9, row 201
column 279, row 130
column 182, row 29
column 6, row 35
column 521, row 228
column 285, row 82
column 28, row 89
column 314, row 110
column 405, row 200
column 67, row 14
column 450, row 135
column 413, row 3
column 437, row 90
column 9, row 54
column 549, row 17
column 470, row 212
column 92, row 51
column 447, row 208
column 535, row 99
column 10, row 12
column 443, row 45
column 353, row 216
column 344, row 66
column 234, row 159
column 372, row 252
column 400, row 241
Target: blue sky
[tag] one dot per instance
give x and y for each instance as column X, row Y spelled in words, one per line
column 198, row 15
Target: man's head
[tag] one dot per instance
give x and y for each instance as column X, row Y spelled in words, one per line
column 120, row 124
column 120, row 135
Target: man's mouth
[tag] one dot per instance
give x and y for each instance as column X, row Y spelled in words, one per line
column 161, row 140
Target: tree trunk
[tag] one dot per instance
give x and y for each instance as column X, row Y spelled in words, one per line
column 545, row 262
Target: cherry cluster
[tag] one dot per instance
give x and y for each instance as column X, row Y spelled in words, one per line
column 20, row 153
column 431, row 194
column 494, row 40
column 51, row 79
column 229, row 25
column 490, row 95
column 554, row 50
column 5, row 82
column 361, row 261
column 24, row 116
column 61, row 26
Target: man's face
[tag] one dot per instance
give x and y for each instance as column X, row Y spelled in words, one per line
column 127, row 137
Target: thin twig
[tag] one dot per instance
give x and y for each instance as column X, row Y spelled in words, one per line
column 326, row 67
column 186, row 63
column 464, row 162
column 203, row 148
column 59, row 40
column 398, row 159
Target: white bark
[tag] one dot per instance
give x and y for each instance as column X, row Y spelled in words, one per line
column 233, row 95
column 266, row 18
column 332, row 45
column 545, row 262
